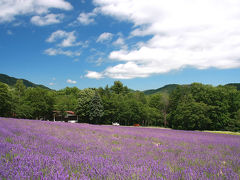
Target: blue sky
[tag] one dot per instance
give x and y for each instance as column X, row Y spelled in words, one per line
column 144, row 44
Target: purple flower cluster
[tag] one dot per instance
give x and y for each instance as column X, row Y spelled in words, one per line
column 55, row 150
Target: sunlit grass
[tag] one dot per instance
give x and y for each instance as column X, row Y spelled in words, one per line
column 224, row 132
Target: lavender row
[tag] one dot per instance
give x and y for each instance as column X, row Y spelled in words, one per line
column 56, row 150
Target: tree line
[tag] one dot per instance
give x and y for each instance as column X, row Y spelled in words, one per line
column 188, row 107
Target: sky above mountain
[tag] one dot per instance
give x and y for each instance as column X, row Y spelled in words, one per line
column 145, row 44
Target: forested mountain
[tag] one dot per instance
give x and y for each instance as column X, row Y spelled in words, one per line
column 237, row 85
column 165, row 89
column 171, row 87
column 11, row 81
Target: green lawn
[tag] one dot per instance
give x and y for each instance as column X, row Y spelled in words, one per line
column 224, row 132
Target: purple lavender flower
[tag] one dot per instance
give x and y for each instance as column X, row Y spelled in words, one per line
column 56, row 150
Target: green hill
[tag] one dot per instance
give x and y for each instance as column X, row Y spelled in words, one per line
column 171, row 87
column 11, row 81
column 237, row 85
column 165, row 89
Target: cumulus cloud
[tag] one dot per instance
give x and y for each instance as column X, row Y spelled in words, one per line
column 93, row 75
column 86, row 18
column 106, row 36
column 47, row 19
column 9, row 9
column 71, row 81
column 68, row 39
column 54, row 52
column 184, row 33
column 119, row 42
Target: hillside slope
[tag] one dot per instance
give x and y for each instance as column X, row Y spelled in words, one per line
column 166, row 89
column 11, row 81
column 171, row 87
column 237, row 85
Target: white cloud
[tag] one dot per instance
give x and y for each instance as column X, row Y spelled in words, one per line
column 54, row 52
column 185, row 33
column 119, row 42
column 47, row 19
column 93, row 75
column 68, row 39
column 106, row 36
column 86, row 18
column 63, row 41
column 9, row 9
column 71, row 81
column 51, row 84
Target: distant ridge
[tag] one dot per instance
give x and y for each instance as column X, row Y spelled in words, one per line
column 171, row 87
column 165, row 89
column 11, row 81
column 237, row 85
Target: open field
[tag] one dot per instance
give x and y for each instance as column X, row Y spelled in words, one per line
column 225, row 132
column 55, row 150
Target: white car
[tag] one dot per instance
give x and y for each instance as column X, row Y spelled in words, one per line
column 73, row 121
column 115, row 124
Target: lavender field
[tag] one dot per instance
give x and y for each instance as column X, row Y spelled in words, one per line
column 55, row 150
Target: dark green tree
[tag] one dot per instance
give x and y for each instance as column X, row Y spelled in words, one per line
column 154, row 117
column 160, row 102
column 96, row 109
column 191, row 115
column 20, row 109
column 5, row 100
column 20, row 88
column 218, row 104
column 40, row 101
column 118, row 88
column 65, row 103
column 111, row 108
column 69, row 91
column 83, row 104
column 24, row 110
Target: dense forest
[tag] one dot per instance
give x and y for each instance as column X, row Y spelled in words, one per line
column 189, row 107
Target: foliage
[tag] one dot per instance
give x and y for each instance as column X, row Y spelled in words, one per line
column 20, row 88
column 96, row 109
column 5, row 100
column 161, row 103
column 83, row 104
column 118, row 88
column 41, row 102
column 189, row 107
column 237, row 85
column 191, row 115
column 204, row 107
column 65, row 103
column 165, row 89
